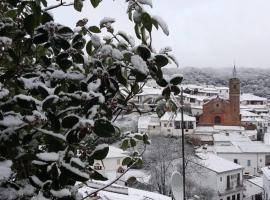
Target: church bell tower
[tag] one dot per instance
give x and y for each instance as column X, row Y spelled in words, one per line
column 234, row 96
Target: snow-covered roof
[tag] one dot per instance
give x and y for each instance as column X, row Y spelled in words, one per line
column 245, row 113
column 251, row 97
column 112, row 193
column 257, row 181
column 244, row 147
column 216, row 163
column 115, row 152
column 150, row 91
column 266, row 172
column 144, row 121
column 234, row 137
column 170, row 116
column 198, row 97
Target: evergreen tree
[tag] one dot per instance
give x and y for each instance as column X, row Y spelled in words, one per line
column 61, row 90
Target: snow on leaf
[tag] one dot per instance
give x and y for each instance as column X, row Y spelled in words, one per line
column 106, row 50
column 75, row 171
column 146, row 2
column 162, row 24
column 106, row 21
column 5, row 169
column 95, row 40
column 57, row 135
column 139, row 64
column 61, row 193
column 48, row 156
column 11, row 121
column 5, row 41
column 117, row 54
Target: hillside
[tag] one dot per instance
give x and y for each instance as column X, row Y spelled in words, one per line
column 253, row 80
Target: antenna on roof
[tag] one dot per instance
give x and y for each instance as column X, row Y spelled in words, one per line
column 234, row 71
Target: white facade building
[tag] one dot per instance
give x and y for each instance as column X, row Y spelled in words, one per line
column 223, row 177
column 252, row 155
column 111, row 167
column 168, row 124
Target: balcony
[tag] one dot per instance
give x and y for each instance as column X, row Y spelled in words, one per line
column 231, row 189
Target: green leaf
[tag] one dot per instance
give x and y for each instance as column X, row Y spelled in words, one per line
column 65, row 30
column 161, row 60
column 73, row 137
column 89, row 47
column 166, row 92
column 144, row 52
column 94, row 29
column 55, row 123
column 97, row 176
column 30, row 23
column 95, row 3
column 70, row 121
column 147, row 21
column 137, row 31
column 126, row 161
column 78, row 58
column 132, row 142
column 175, row 89
column 103, row 128
column 78, row 4
column 176, row 80
column 125, row 144
column 48, row 102
column 40, row 38
column 46, row 17
column 100, row 154
column 162, row 82
column 138, row 137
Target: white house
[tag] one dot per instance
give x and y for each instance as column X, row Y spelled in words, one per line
column 266, row 182
column 223, row 177
column 170, row 124
column 111, row 167
column 253, row 188
column 206, row 133
column 254, row 103
column 252, row 155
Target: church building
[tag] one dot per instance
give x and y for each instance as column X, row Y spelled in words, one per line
column 220, row 111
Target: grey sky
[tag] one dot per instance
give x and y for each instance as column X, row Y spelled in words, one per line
column 203, row 33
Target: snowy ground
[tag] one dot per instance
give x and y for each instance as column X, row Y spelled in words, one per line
column 133, row 194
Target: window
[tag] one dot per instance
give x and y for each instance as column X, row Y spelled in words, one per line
column 169, row 130
column 177, row 124
column 233, row 197
column 220, row 179
column 228, row 198
column 170, row 125
column 118, row 161
column 97, row 167
column 248, row 163
column 165, row 125
column 238, row 179
column 154, row 127
column 235, row 161
column 217, row 105
column 228, row 183
column 238, row 196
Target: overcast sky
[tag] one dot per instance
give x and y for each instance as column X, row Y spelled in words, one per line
column 203, row 33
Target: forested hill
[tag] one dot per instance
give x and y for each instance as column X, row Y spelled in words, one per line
column 253, row 80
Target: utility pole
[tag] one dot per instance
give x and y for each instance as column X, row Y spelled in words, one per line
column 183, row 144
